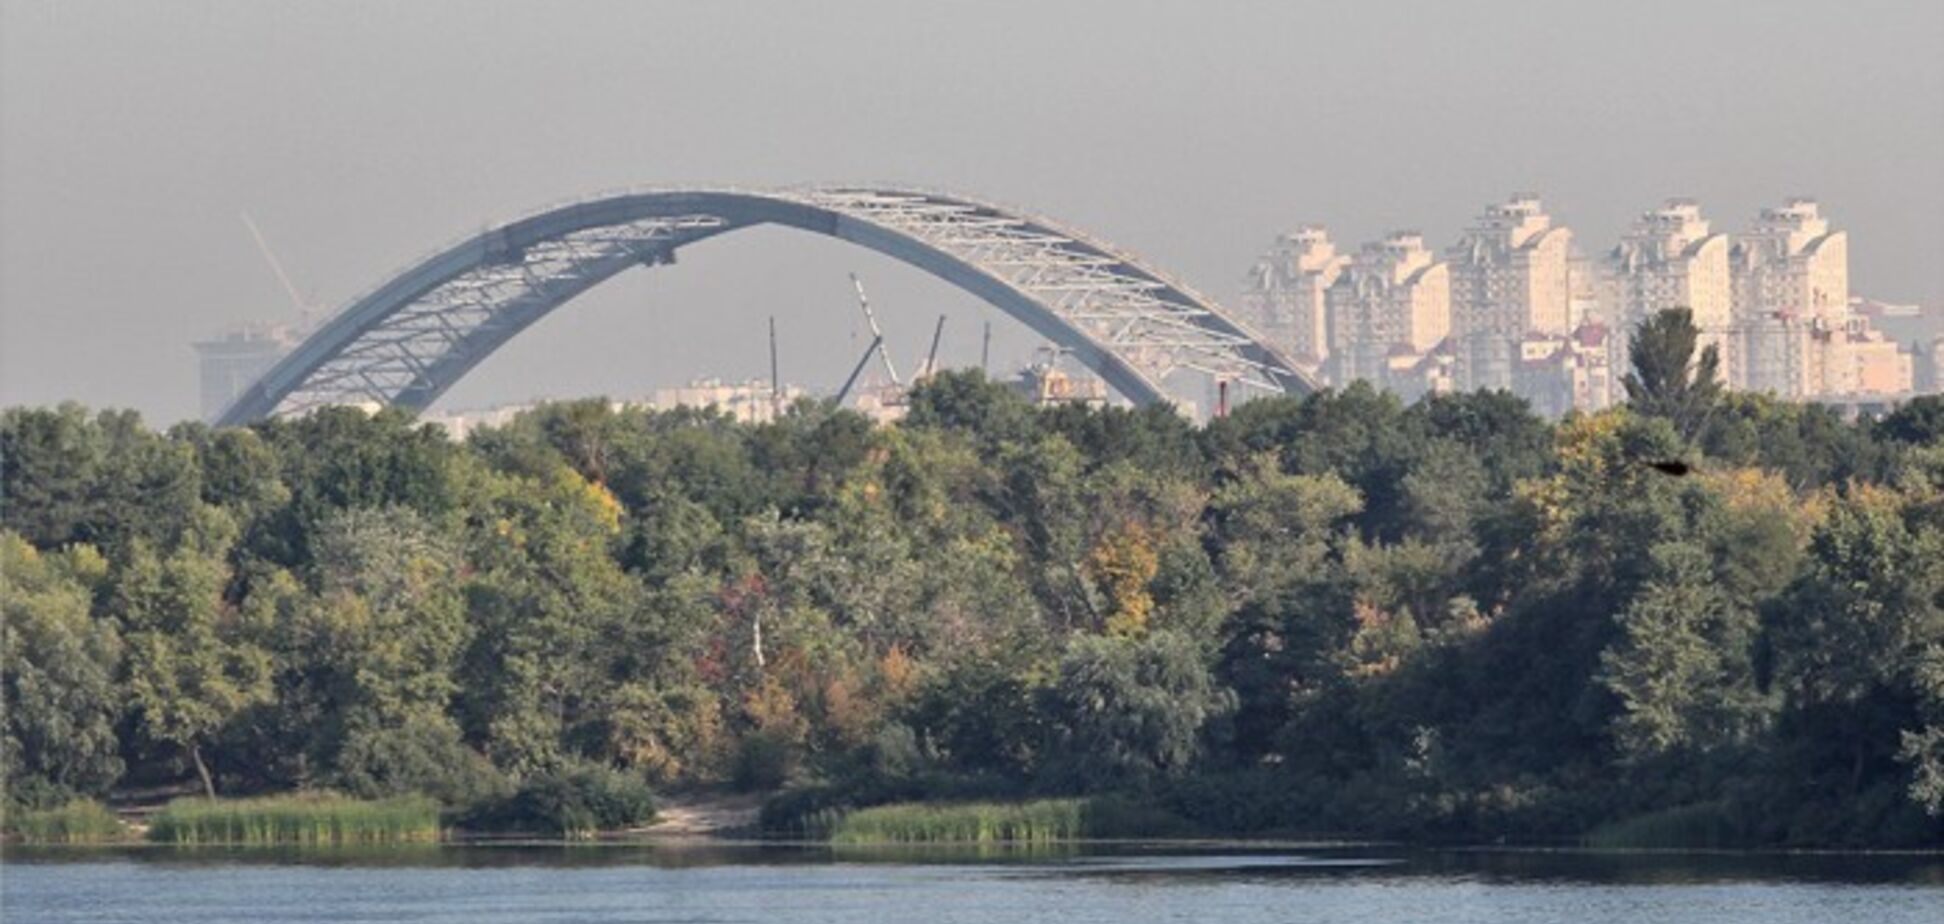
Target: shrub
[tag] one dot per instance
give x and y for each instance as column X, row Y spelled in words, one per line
column 807, row 812
column 1704, row 825
column 764, row 760
column 422, row 756
column 300, row 818
column 81, row 821
column 1241, row 802
column 575, row 801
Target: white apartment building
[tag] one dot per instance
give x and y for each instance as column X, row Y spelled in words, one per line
column 1285, row 298
column 1791, row 304
column 1670, row 259
column 1391, row 302
column 1509, row 279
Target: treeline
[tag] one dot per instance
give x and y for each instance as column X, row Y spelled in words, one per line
column 1335, row 613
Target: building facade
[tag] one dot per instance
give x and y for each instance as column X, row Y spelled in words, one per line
column 1390, row 304
column 1791, row 288
column 1509, row 279
column 1670, row 258
column 1285, row 298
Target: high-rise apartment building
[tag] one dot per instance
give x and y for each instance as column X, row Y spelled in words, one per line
column 1670, row 259
column 1285, row 298
column 1791, row 306
column 1509, row 279
column 1389, row 307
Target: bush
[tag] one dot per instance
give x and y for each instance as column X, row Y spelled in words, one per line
column 81, row 821
column 421, row 756
column 807, row 812
column 763, row 761
column 574, row 801
column 1706, row 825
column 300, row 818
column 1244, row 802
column 1127, row 817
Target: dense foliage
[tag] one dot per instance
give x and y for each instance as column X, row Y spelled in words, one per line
column 1452, row 619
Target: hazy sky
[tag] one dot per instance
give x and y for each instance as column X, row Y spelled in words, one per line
column 361, row 135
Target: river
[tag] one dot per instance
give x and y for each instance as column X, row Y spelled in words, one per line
column 1238, row 884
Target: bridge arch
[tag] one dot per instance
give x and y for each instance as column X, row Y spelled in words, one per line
column 407, row 341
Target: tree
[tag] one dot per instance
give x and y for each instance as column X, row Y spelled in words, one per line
column 990, row 413
column 191, row 666
column 1274, row 531
column 1133, row 710
column 1124, row 564
column 1667, row 379
column 105, row 481
column 370, row 643
column 1682, row 668
column 1919, row 422
column 555, row 622
column 1855, row 641
column 57, row 673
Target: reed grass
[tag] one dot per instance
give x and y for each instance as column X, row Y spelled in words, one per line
column 302, row 818
column 1038, row 822
column 81, row 821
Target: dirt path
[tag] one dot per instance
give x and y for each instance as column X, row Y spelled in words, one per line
column 705, row 815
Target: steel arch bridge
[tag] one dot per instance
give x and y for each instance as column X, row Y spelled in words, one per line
column 407, row 341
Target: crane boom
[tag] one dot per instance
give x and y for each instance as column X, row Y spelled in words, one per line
column 856, row 371
column 877, row 335
column 276, row 266
column 930, row 368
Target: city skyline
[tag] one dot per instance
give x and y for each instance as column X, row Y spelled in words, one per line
column 1518, row 302
column 134, row 137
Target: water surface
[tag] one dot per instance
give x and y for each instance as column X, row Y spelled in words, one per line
column 633, row 883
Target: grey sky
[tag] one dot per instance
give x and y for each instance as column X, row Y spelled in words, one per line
column 361, row 135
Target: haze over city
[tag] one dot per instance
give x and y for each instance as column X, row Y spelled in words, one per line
column 359, row 137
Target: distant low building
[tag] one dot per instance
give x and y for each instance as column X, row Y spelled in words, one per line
column 747, row 402
column 229, row 364
column 1046, row 382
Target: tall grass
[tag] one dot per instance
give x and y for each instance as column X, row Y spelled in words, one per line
column 81, row 821
column 1039, row 822
column 1705, row 825
column 303, row 818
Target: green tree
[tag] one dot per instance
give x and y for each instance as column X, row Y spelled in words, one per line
column 105, row 481
column 192, row 664
column 1130, row 710
column 1275, row 531
column 57, row 673
column 1683, row 668
column 1667, row 378
column 555, row 620
column 367, row 645
column 1855, row 642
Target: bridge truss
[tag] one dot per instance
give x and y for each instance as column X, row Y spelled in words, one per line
column 406, row 342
